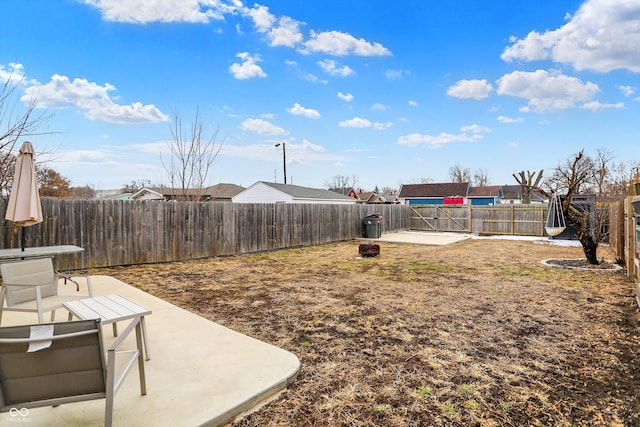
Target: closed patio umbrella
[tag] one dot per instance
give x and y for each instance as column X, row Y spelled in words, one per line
column 24, row 207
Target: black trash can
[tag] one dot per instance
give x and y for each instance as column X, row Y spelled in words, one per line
column 372, row 226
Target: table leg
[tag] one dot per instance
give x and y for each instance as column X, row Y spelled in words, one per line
column 144, row 338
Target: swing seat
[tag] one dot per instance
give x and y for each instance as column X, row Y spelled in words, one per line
column 554, row 231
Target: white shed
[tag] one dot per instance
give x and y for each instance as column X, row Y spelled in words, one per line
column 270, row 192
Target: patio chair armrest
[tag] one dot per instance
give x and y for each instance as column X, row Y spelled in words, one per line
column 24, row 285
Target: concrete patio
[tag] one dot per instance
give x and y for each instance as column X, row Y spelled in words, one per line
column 200, row 373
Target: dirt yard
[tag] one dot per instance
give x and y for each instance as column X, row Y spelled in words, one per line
column 478, row 333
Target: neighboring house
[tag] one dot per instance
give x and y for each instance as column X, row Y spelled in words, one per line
column 512, row 195
column 371, row 198
column 489, row 195
column 223, row 192
column 366, row 196
column 389, row 198
column 270, row 192
column 346, row 191
column 448, row 193
column 216, row 193
column 382, row 199
column 121, row 196
column 146, row 194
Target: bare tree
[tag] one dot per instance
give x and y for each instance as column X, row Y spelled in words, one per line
column 389, row 190
column 529, row 182
column 341, row 182
column 481, row 177
column 423, row 180
column 16, row 121
column 581, row 173
column 459, row 174
column 619, row 179
column 134, row 186
column 84, row 192
column 192, row 152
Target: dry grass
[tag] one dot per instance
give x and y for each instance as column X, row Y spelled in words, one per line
column 476, row 333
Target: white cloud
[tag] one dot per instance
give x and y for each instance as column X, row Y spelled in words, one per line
column 142, row 12
column 378, row 106
column 546, row 91
column 249, row 68
column 474, row 89
column 382, row 126
column 627, row 90
column 283, row 31
column 92, row 99
column 413, row 103
column 602, row 36
column 287, row 33
column 263, row 20
column 345, row 97
column 313, row 78
column 262, row 127
column 14, row 74
column 504, row 119
column 477, row 130
column 299, row 110
column 437, row 141
column 330, row 67
column 361, row 123
column 396, row 74
column 597, row 106
column 356, row 122
column 341, row 44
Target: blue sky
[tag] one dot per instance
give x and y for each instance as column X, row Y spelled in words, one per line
column 388, row 92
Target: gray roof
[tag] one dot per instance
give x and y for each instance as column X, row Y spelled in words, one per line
column 224, row 190
column 299, row 192
column 443, row 189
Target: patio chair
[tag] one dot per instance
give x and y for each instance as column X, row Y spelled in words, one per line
column 32, row 286
column 57, row 363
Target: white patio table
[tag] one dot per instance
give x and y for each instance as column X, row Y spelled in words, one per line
column 110, row 309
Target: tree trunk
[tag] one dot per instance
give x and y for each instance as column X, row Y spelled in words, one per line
column 590, row 248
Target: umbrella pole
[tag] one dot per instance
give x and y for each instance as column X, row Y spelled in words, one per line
column 22, row 238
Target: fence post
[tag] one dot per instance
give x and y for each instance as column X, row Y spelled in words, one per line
column 513, row 221
column 630, row 240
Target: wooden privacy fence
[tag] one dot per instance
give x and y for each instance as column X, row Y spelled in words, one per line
column 117, row 232
column 524, row 220
column 624, row 235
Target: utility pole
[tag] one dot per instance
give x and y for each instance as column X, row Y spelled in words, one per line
column 284, row 159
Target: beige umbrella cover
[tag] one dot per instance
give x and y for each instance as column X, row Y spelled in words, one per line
column 24, row 207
